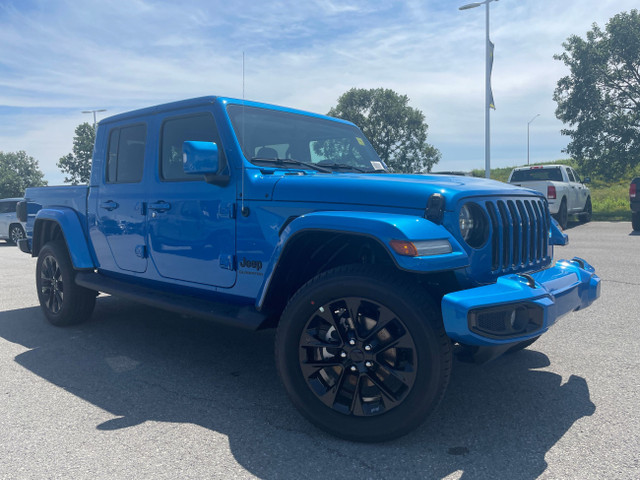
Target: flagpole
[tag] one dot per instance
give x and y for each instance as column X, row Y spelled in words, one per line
column 487, row 95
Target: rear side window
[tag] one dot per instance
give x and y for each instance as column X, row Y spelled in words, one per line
column 125, row 160
column 175, row 132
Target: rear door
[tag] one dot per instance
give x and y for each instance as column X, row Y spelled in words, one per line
column 120, row 209
column 580, row 191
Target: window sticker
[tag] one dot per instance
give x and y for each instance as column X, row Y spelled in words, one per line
column 360, row 141
column 377, row 165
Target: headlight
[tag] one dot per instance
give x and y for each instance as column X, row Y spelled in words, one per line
column 474, row 227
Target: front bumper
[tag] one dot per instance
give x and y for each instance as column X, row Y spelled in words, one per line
column 519, row 307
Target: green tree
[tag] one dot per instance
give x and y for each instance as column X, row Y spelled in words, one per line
column 17, row 172
column 600, row 98
column 78, row 163
column 397, row 131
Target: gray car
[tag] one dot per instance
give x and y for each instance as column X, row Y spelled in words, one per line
column 11, row 229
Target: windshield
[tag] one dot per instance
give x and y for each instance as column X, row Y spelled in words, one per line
column 290, row 140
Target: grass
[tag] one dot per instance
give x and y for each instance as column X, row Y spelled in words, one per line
column 610, row 199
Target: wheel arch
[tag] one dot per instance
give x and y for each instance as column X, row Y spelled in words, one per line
column 311, row 252
column 62, row 223
column 320, row 241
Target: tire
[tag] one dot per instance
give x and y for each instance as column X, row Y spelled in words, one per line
column 522, row 345
column 635, row 221
column 562, row 216
column 371, row 379
column 62, row 301
column 16, row 232
column 587, row 212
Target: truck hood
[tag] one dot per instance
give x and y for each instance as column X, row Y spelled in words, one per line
column 388, row 190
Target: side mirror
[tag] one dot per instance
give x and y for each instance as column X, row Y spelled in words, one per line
column 203, row 158
column 200, row 158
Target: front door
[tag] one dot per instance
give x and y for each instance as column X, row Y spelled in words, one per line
column 191, row 223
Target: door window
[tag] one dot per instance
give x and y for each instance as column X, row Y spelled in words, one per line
column 125, row 160
column 175, row 132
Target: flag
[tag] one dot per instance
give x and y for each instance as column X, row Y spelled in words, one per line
column 491, row 103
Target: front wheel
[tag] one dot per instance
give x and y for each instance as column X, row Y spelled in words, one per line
column 15, row 233
column 363, row 354
column 62, row 301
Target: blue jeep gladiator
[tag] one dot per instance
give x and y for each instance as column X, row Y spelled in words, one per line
column 263, row 216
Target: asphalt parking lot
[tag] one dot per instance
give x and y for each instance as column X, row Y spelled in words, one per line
column 141, row 393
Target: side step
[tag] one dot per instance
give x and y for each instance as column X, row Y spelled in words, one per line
column 245, row 316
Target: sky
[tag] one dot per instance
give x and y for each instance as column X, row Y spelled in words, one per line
column 59, row 58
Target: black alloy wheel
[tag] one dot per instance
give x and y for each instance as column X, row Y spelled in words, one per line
column 362, row 353
column 51, row 285
column 358, row 357
column 62, row 301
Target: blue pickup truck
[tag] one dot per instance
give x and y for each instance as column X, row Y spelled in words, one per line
column 262, row 216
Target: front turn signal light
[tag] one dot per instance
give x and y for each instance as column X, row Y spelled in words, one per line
column 421, row 248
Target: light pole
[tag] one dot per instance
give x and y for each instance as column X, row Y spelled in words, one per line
column 487, row 88
column 94, row 115
column 528, row 136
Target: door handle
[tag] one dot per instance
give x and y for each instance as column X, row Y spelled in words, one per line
column 109, row 205
column 160, row 206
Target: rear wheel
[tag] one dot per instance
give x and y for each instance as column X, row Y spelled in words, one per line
column 62, row 301
column 363, row 354
column 563, row 216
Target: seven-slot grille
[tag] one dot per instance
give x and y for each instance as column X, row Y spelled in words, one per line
column 519, row 232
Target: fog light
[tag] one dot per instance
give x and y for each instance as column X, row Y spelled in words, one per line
column 506, row 320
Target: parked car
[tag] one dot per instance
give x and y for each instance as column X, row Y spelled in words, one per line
column 634, row 203
column 11, row 229
column 566, row 193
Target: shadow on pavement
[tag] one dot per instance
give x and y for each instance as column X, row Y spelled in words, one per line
column 496, row 421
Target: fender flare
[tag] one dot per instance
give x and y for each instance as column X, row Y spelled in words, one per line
column 67, row 219
column 381, row 227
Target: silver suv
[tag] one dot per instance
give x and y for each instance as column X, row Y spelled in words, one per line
column 11, row 229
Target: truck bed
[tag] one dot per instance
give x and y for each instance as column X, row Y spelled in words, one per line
column 72, row 196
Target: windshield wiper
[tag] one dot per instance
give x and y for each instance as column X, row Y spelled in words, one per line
column 346, row 166
column 291, row 161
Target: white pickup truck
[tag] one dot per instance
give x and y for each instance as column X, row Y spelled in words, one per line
column 561, row 185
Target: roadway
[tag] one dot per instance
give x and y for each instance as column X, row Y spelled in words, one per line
column 140, row 393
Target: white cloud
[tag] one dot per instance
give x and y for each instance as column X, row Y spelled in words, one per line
column 58, row 58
